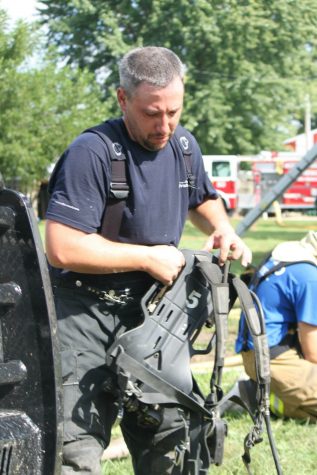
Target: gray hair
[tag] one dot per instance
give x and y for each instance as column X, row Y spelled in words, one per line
column 154, row 65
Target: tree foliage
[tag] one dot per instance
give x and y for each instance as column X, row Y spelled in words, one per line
column 249, row 63
column 43, row 106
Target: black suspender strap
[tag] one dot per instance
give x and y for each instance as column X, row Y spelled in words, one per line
column 184, row 144
column 119, row 185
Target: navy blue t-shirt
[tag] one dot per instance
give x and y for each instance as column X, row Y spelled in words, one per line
column 159, row 197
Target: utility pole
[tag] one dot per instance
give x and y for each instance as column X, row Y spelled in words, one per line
column 308, row 135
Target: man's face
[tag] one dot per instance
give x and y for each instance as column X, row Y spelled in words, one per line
column 151, row 115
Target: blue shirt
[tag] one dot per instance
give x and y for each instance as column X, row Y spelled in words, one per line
column 159, row 198
column 287, row 296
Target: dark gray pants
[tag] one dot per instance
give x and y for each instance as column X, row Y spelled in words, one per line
column 87, row 328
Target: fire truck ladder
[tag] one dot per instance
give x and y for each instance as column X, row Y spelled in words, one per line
column 277, row 190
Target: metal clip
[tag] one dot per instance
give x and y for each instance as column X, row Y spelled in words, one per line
column 133, row 389
column 111, row 296
column 155, row 300
column 180, row 455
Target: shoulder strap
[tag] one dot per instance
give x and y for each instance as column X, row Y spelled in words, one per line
column 119, row 187
column 252, row 309
column 257, row 279
column 183, row 142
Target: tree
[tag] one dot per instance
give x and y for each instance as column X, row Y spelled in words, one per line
column 43, row 106
column 249, row 63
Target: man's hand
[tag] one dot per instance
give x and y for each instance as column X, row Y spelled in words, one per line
column 211, row 218
column 164, row 263
column 69, row 248
column 230, row 245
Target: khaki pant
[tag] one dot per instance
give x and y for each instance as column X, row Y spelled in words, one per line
column 293, row 384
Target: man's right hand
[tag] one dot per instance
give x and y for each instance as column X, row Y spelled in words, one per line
column 164, row 263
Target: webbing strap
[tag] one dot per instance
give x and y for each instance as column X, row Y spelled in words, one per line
column 258, row 278
column 220, row 298
column 119, row 187
column 184, row 144
column 256, row 325
column 198, row 460
column 152, row 379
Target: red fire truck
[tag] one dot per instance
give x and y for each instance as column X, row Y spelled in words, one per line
column 223, row 173
column 243, row 181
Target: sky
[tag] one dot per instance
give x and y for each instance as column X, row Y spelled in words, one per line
column 17, row 9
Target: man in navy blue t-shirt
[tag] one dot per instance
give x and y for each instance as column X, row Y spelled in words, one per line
column 105, row 253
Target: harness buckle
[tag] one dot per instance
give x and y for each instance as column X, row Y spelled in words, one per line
column 111, row 295
column 180, row 455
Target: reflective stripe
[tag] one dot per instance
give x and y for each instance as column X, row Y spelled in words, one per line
column 276, row 405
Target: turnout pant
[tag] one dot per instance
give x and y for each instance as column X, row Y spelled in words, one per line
column 87, row 328
column 293, row 384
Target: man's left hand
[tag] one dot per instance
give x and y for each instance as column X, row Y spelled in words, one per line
column 230, row 245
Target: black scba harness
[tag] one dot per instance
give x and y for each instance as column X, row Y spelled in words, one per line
column 111, row 135
column 157, row 355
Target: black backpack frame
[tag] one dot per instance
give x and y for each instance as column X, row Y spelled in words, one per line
column 173, row 318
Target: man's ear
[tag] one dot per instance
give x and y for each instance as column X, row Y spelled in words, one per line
column 122, row 98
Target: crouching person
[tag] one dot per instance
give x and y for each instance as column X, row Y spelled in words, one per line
column 286, row 286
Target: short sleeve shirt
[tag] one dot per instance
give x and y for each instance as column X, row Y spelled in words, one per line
column 159, row 198
column 287, row 296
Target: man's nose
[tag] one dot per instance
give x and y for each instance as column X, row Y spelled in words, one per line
column 163, row 124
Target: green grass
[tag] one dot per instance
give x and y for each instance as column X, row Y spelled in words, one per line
column 295, row 441
column 294, row 458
